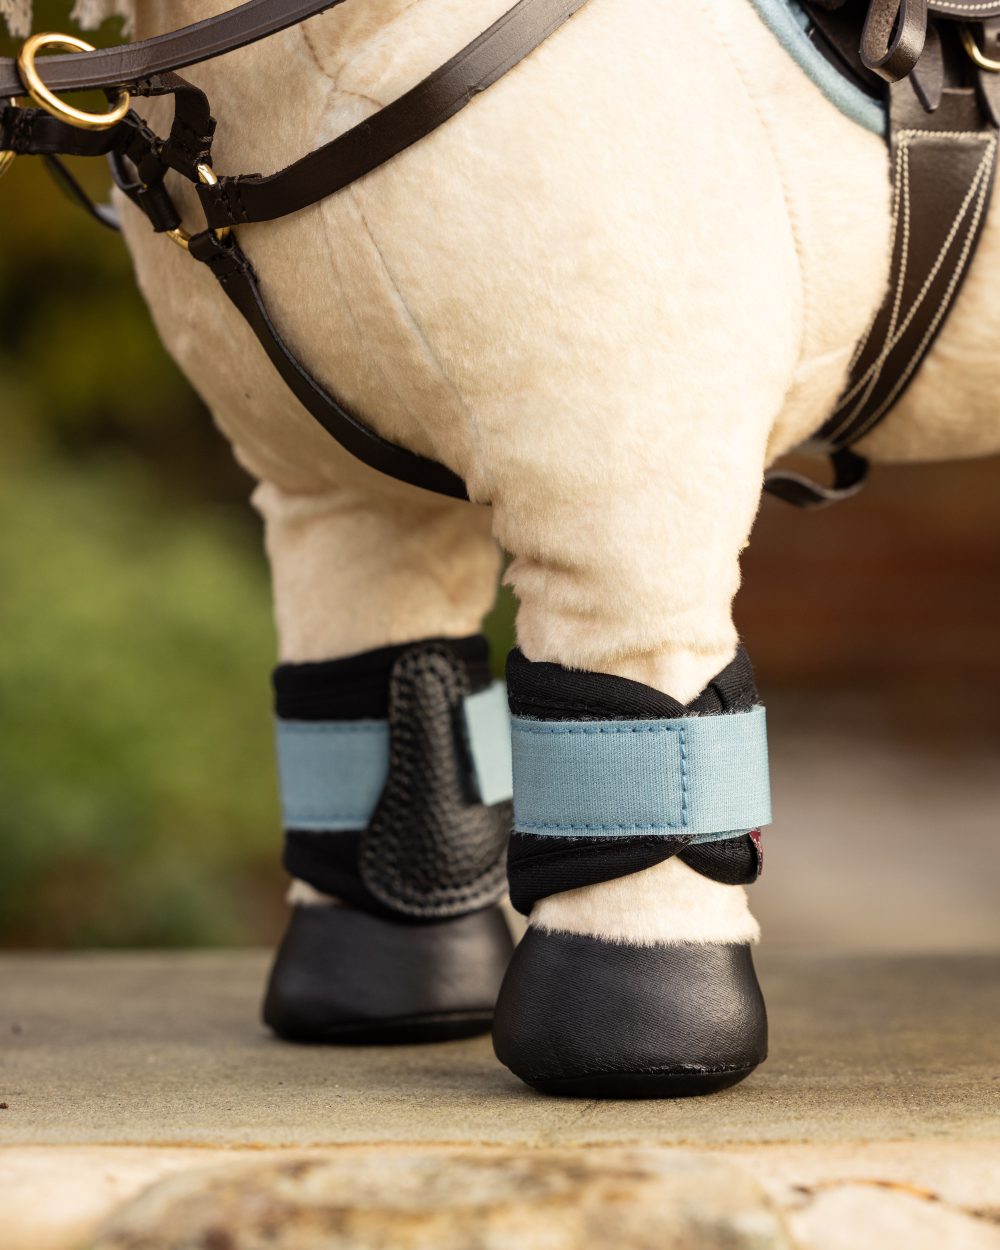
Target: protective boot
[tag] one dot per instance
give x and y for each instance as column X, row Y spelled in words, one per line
column 612, row 777
column 395, row 780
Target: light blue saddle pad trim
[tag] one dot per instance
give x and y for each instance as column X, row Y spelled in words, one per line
column 332, row 773
column 701, row 775
column 787, row 22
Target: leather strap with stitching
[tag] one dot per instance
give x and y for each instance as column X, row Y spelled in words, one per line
column 944, row 165
column 943, row 139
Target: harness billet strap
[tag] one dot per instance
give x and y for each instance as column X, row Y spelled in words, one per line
column 940, row 83
column 140, row 161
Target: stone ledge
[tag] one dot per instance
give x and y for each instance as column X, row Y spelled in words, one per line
column 824, row 1197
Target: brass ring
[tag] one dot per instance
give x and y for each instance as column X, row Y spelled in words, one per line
column 976, row 53
column 49, row 101
column 206, row 176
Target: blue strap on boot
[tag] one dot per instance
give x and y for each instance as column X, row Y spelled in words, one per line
column 333, row 772
column 705, row 776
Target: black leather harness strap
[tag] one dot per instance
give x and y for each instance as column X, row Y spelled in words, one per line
column 238, row 280
column 141, row 160
column 203, row 41
column 943, row 114
column 893, row 35
column 944, row 164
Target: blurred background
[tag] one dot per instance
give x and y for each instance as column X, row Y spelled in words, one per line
column 136, row 771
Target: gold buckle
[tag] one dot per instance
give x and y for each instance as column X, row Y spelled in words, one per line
column 206, row 176
column 49, row 101
column 976, row 54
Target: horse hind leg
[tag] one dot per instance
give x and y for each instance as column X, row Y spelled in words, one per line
column 639, row 751
column 394, row 932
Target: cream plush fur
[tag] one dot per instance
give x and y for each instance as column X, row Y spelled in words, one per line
column 608, row 293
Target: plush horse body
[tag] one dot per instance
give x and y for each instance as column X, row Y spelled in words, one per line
column 608, row 294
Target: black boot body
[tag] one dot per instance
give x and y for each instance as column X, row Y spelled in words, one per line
column 393, row 807
column 612, row 777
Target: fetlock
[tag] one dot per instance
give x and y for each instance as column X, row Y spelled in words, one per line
column 620, row 791
column 395, row 788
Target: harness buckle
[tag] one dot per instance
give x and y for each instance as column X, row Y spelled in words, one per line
column 49, row 101
column 207, row 177
column 976, row 55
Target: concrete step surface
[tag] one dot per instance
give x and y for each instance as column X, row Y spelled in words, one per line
column 876, row 1119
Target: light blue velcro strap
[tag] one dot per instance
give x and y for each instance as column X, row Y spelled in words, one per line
column 487, row 727
column 701, row 775
column 331, row 772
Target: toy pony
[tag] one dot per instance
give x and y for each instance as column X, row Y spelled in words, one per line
column 569, row 299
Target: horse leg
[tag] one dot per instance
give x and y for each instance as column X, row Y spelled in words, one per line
column 639, row 786
column 397, row 865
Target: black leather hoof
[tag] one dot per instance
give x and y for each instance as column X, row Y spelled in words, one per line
column 345, row 975
column 585, row 1018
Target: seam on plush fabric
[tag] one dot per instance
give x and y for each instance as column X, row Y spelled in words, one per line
column 355, row 192
column 791, row 215
column 334, row 78
column 353, row 51
column 478, row 468
column 356, row 203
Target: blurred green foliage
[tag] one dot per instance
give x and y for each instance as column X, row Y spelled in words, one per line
column 136, row 768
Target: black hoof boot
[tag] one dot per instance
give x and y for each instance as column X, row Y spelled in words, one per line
column 610, row 778
column 394, row 806
column 587, row 1018
column 345, row 975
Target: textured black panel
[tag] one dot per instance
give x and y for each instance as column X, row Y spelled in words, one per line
column 343, row 975
column 577, row 1015
column 431, row 850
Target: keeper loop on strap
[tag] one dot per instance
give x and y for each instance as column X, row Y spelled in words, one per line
column 332, row 773
column 706, row 776
column 487, row 732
